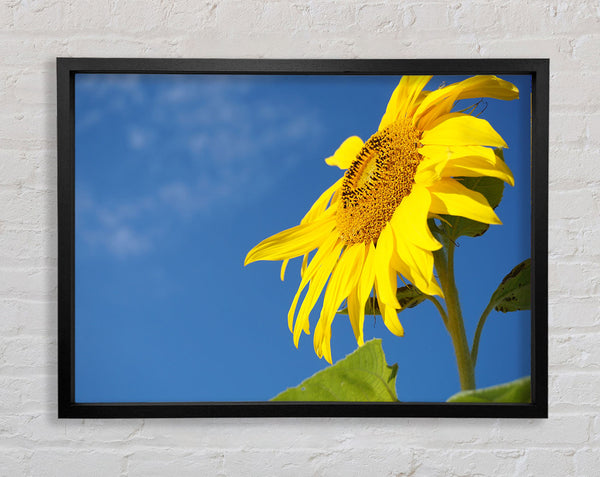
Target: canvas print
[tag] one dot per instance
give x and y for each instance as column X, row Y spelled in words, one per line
column 302, row 238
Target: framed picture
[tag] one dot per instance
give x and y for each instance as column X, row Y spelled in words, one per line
column 244, row 238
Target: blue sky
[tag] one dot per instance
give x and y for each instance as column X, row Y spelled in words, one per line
column 177, row 177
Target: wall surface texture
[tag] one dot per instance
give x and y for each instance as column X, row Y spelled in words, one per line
column 34, row 443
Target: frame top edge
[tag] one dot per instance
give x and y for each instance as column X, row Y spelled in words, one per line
column 302, row 65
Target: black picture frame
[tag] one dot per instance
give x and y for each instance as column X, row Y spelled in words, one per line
column 67, row 68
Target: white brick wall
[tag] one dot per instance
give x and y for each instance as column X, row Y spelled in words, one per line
column 34, row 443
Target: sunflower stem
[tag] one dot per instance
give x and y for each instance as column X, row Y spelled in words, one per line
column 444, row 263
column 477, row 337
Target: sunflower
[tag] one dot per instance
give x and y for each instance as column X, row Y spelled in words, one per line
column 370, row 227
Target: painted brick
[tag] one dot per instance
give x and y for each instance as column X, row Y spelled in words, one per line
column 575, row 279
column 432, row 16
column 467, row 462
column 317, row 461
column 333, row 16
column 565, row 239
column 568, row 128
column 188, row 462
column 36, row 87
column 591, row 242
column 575, row 351
column 27, row 283
column 27, row 354
column 136, row 16
column 23, row 395
column 595, row 431
column 574, row 204
column 85, row 15
column 28, row 207
column 30, row 50
column 380, row 17
column 44, row 15
column 177, row 17
column 66, row 462
column 111, row 432
column 472, row 16
column 575, row 165
column 126, row 46
column 574, row 313
column 6, row 15
column 558, row 49
column 585, row 49
column 15, row 462
column 574, row 430
column 30, row 169
column 20, row 248
column 26, row 316
column 556, row 17
column 593, row 128
column 573, row 87
column 587, row 461
column 575, row 388
column 23, row 124
column 547, row 462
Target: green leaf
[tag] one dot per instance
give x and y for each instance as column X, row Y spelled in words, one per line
column 514, row 293
column 515, row 391
column 408, row 297
column 491, row 188
column 363, row 375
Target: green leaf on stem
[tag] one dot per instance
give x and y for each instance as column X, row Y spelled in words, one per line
column 515, row 391
column 514, row 293
column 363, row 375
column 408, row 297
column 491, row 188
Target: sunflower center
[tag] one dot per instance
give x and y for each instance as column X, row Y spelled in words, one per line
column 379, row 178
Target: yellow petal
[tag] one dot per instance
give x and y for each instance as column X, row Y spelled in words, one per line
column 429, row 170
column 389, row 314
column 358, row 298
column 411, row 217
column 304, row 264
column 418, row 102
column 460, row 161
column 450, row 197
column 462, row 130
column 283, row 267
column 415, row 263
column 476, row 166
column 343, row 280
column 404, row 96
column 440, row 102
column 367, row 276
column 293, row 242
column 454, row 152
column 346, row 153
column 401, row 266
column 322, row 253
column 383, row 255
column 487, row 86
column 354, row 315
column 325, row 347
column 314, row 290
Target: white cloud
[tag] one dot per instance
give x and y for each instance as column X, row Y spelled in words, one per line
column 181, row 198
column 124, row 241
column 203, row 145
column 140, row 138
